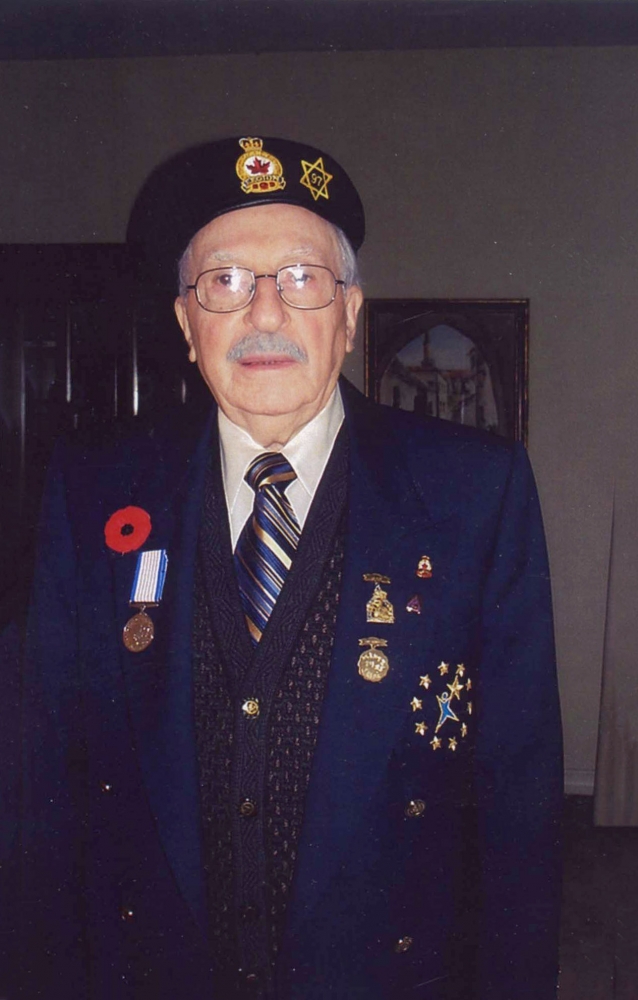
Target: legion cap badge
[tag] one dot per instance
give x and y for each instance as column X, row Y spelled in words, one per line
column 258, row 171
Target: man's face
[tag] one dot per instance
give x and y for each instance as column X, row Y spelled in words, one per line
column 273, row 384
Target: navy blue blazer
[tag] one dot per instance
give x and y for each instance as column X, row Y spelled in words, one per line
column 456, row 897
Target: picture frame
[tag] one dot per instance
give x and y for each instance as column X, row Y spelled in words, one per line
column 464, row 360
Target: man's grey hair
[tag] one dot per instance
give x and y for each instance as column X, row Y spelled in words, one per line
column 350, row 266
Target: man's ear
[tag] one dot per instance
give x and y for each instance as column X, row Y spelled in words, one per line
column 182, row 319
column 354, row 301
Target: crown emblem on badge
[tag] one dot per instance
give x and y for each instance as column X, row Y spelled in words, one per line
column 258, row 171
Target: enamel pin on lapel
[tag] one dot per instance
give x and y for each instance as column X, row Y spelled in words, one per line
column 424, row 568
column 451, row 700
column 147, row 589
column 373, row 665
column 379, row 609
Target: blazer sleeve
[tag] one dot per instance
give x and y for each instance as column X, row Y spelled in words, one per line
column 53, row 823
column 518, row 758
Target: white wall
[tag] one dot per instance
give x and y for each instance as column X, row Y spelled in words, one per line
column 494, row 173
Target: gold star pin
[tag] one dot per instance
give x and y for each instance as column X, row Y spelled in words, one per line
column 420, row 728
column 455, row 689
column 425, row 682
column 460, row 669
column 436, row 743
column 468, row 684
column 416, row 704
column 316, row 178
column 463, row 729
column 452, row 744
column 469, row 708
column 443, row 668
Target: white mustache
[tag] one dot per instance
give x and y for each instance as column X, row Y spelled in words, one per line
column 266, row 343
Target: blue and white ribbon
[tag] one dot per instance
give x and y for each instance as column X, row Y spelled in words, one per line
column 150, row 574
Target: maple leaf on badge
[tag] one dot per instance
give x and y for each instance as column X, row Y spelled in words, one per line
column 259, row 166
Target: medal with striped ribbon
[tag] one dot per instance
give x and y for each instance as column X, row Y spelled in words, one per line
column 268, row 541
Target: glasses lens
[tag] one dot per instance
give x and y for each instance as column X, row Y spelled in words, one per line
column 307, row 286
column 224, row 288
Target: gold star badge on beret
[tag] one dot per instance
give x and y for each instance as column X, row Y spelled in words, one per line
column 316, row 178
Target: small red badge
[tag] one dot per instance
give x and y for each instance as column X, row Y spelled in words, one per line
column 424, row 569
column 127, row 529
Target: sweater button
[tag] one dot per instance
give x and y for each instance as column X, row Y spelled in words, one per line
column 250, row 708
column 416, row 807
column 248, row 808
column 403, row 944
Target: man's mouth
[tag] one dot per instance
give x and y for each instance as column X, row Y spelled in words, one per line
column 267, row 361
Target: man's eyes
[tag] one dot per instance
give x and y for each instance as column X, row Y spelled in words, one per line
column 298, row 276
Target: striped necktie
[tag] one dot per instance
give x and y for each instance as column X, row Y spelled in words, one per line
column 268, row 541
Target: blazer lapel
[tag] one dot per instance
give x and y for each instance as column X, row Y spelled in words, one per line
column 389, row 528
column 159, row 679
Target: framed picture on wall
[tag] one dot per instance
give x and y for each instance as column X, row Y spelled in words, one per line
column 463, row 360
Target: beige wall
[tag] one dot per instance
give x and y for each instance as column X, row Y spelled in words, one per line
column 497, row 173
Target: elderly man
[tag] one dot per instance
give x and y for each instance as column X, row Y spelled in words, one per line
column 292, row 726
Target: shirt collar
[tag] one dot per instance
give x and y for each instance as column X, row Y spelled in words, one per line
column 308, row 451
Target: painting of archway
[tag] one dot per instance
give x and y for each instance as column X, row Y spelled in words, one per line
column 463, row 361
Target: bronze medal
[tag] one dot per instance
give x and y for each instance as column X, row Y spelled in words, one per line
column 138, row 633
column 373, row 665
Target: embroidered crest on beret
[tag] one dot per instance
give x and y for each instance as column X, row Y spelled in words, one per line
column 258, row 171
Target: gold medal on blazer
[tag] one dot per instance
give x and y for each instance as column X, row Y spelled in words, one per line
column 373, row 665
column 379, row 609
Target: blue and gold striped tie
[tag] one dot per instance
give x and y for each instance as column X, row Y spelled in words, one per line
column 268, row 541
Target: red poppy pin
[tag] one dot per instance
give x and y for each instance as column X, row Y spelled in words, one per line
column 127, row 529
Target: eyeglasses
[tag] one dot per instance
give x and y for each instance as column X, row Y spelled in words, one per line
column 302, row 286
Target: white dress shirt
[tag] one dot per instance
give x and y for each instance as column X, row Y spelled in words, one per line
column 308, row 453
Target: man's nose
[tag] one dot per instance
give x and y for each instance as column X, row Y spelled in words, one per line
column 267, row 310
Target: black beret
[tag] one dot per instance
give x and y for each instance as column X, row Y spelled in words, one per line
column 197, row 185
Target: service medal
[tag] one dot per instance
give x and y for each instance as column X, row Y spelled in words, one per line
column 373, row 665
column 147, row 590
column 138, row 633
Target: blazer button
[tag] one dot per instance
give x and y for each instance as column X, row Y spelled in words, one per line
column 126, row 914
column 416, row 807
column 252, row 980
column 403, row 944
column 250, row 708
column 248, row 808
column 106, row 787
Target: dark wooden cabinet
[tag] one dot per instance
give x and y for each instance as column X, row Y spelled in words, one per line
column 81, row 344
